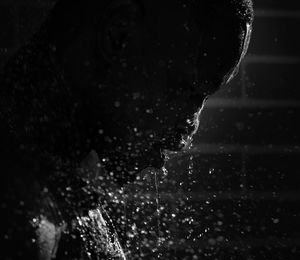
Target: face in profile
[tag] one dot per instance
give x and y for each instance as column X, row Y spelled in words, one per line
column 148, row 74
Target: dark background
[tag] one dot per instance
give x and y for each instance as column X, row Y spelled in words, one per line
column 240, row 197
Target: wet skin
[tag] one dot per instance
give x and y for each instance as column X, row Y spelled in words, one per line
column 137, row 70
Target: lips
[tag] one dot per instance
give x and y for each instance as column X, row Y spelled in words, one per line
column 175, row 139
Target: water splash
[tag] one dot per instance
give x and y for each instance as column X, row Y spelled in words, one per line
column 98, row 236
column 157, row 200
column 191, row 166
column 188, row 139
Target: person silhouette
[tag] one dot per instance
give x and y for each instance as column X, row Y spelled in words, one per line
column 98, row 94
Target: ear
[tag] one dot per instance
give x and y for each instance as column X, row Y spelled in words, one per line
column 117, row 31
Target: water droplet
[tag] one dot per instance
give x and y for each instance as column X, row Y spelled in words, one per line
column 117, row 103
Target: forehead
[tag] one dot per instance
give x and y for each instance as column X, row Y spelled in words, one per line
column 171, row 25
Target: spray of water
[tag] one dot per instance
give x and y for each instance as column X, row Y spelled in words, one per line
column 158, row 214
column 97, row 235
column 187, row 143
column 187, row 140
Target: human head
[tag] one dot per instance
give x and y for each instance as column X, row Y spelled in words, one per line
column 143, row 69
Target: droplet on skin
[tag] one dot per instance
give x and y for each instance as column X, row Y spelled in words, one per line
column 117, row 104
